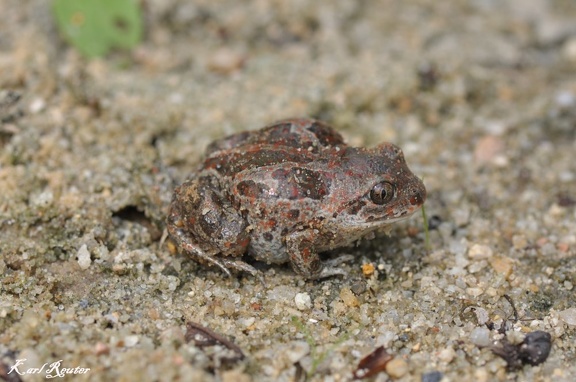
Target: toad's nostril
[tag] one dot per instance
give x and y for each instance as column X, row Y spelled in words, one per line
column 418, row 198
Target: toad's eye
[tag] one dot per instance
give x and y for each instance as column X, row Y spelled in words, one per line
column 382, row 192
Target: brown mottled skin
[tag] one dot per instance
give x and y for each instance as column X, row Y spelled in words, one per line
column 288, row 192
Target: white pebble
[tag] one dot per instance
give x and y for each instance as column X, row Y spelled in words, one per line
column 84, row 260
column 568, row 316
column 303, row 301
column 474, row 292
column 565, row 98
column 43, row 199
column 447, row 355
column 479, row 251
column 297, row 350
column 458, row 247
column 130, row 341
column 37, row 105
column 247, row 321
column 481, row 315
column 480, row 336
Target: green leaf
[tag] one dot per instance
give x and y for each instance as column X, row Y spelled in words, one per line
column 96, row 26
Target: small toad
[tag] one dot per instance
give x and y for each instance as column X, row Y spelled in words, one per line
column 286, row 193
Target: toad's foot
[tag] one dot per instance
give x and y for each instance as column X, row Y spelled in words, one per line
column 331, row 267
column 244, row 267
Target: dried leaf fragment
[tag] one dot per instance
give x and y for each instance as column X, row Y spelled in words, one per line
column 373, row 363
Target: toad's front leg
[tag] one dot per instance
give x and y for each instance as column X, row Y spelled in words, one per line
column 304, row 257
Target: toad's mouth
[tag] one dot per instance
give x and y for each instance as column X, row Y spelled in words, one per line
column 391, row 218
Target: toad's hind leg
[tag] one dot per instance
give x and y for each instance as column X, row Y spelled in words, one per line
column 244, row 267
column 186, row 243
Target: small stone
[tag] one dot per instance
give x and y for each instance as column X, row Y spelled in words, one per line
column 348, row 298
column 43, row 199
column 296, row 351
column 83, row 255
column 447, row 355
column 481, row 315
column 480, row 336
column 502, row 265
column 479, row 251
column 569, row 49
column 37, row 105
column 481, row 375
column 515, row 337
column 101, row 348
column 247, row 322
column 235, row 375
column 303, row 301
column 368, row 269
column 565, row 99
column 432, row 376
column 358, row 287
column 397, row 368
column 563, row 247
column 130, row 341
column 474, row 292
column 153, row 314
column 477, row 266
column 488, row 150
column 226, row 61
column 519, row 242
column 568, row 316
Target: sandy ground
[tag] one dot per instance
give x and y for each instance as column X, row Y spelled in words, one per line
column 481, row 96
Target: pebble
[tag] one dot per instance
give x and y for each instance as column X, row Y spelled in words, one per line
column 296, row 350
column 519, row 242
column 502, row 265
column 43, row 199
column 359, row 287
column 480, row 337
column 477, row 266
column 488, row 150
column 303, row 301
column 481, row 315
column 481, row 375
column 247, row 321
column 37, row 105
column 447, row 355
column 432, row 376
column 569, row 49
column 130, row 341
column 368, row 269
column 397, row 368
column 474, row 292
column 568, row 316
column 348, row 298
column 479, row 251
column 83, row 255
column 226, row 61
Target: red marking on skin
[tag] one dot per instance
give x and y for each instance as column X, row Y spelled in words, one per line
column 270, row 224
column 243, row 242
